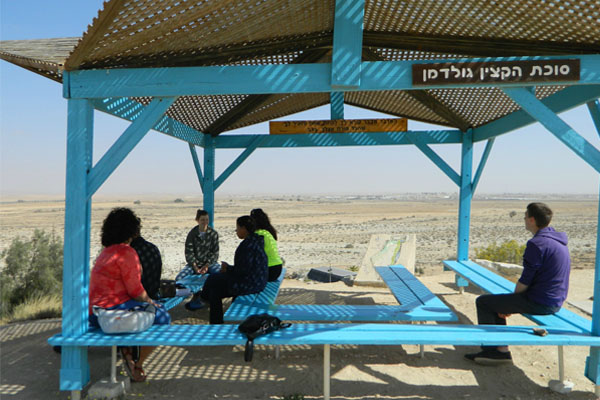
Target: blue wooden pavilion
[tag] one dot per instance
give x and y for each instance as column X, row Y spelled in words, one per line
column 195, row 69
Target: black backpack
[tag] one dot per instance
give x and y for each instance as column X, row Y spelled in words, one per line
column 257, row 325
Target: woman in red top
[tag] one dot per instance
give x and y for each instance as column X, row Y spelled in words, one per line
column 115, row 281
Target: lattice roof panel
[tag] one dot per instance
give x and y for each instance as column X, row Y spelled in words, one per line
column 277, row 106
column 531, row 20
column 394, row 102
column 43, row 56
column 148, row 33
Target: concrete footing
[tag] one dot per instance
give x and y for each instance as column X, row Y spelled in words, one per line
column 105, row 389
column 562, row 387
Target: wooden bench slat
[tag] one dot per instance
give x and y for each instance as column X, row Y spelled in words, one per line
column 346, row 312
column 399, row 288
column 412, row 293
column 428, row 308
column 336, row 334
column 496, row 284
column 194, row 282
column 238, row 310
column 172, row 302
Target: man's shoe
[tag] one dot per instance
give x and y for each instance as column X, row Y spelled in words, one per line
column 490, row 357
column 195, row 305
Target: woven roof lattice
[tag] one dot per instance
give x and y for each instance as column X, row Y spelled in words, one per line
column 148, row 33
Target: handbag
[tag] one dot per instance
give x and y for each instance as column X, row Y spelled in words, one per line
column 257, row 325
column 136, row 319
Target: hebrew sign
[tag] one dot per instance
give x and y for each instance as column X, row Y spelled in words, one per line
column 496, row 71
column 338, row 126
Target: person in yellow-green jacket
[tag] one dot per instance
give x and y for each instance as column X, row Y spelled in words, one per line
column 269, row 233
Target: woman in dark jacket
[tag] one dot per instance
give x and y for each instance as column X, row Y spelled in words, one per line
column 247, row 275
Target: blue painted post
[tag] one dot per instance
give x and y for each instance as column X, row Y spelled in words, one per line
column 145, row 119
column 208, row 188
column 482, row 162
column 197, row 165
column 74, row 372
column 563, row 132
column 592, row 364
column 464, row 207
column 239, row 160
column 594, row 107
column 337, row 105
column 346, row 56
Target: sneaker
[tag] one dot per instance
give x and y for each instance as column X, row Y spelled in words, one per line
column 195, row 305
column 490, row 357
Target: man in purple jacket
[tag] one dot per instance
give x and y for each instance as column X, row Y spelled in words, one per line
column 541, row 289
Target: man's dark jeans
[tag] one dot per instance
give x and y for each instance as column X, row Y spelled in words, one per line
column 489, row 305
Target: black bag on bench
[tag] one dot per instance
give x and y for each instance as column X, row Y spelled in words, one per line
column 257, row 325
column 168, row 288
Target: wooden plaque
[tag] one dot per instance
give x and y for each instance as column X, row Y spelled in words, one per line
column 556, row 70
column 338, row 126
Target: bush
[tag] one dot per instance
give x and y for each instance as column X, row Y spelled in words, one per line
column 509, row 252
column 37, row 307
column 33, row 269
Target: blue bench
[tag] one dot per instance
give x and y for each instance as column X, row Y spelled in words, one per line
column 417, row 304
column 333, row 334
column 255, row 303
column 490, row 282
column 493, row 283
column 192, row 282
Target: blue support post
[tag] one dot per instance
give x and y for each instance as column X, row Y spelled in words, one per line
column 530, row 104
column 482, row 162
column 239, row 160
column 592, row 364
column 465, row 196
column 594, row 107
column 208, row 188
column 337, row 105
column 564, row 100
column 197, row 165
column 74, row 371
column 147, row 118
column 346, row 56
column 124, row 107
column 437, row 160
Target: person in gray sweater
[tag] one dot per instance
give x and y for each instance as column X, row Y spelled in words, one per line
column 201, row 249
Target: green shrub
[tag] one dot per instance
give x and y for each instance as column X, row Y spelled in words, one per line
column 37, row 307
column 33, row 269
column 509, row 252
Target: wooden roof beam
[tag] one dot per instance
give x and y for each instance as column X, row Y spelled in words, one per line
column 252, row 102
column 231, row 53
column 474, row 46
column 427, row 100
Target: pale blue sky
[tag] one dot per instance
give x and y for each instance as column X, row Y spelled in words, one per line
column 33, row 132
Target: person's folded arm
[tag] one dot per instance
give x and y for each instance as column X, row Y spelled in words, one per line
column 520, row 287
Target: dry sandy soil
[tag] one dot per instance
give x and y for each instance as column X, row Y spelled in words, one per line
column 317, row 232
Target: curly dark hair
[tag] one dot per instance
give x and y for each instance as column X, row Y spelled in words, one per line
column 262, row 221
column 120, row 225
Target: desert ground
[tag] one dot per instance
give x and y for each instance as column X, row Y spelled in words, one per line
column 318, row 231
